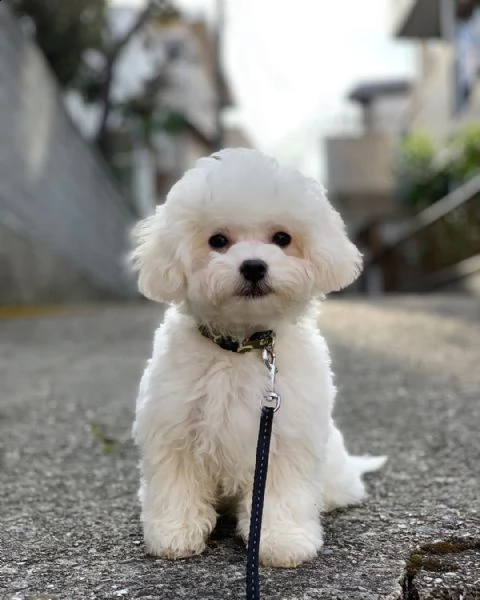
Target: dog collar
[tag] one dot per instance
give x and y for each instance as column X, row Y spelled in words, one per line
column 257, row 341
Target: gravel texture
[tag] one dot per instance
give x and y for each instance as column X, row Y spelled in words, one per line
column 408, row 373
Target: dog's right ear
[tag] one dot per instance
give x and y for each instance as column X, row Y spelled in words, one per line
column 154, row 257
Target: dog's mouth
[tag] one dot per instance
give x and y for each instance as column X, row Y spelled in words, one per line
column 254, row 290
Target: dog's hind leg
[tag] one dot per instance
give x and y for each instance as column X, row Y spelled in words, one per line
column 342, row 473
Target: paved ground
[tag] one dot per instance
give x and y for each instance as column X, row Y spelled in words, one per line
column 409, row 380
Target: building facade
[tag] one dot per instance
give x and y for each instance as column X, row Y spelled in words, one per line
column 360, row 169
column 446, row 91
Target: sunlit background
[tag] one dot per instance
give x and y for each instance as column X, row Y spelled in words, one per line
column 105, row 103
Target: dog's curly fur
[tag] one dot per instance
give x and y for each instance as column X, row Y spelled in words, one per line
column 198, row 407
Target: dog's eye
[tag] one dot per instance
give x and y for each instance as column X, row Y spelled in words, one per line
column 218, row 241
column 281, row 239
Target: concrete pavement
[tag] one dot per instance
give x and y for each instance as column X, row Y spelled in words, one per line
column 408, row 373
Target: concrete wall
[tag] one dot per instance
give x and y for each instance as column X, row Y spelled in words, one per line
column 31, row 273
column 432, row 97
column 63, row 222
column 360, row 164
column 387, row 114
column 360, row 176
column 360, row 167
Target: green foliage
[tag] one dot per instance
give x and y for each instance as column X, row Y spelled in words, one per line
column 465, row 162
column 426, row 173
column 171, row 122
column 418, row 149
column 64, row 30
column 421, row 180
column 148, row 109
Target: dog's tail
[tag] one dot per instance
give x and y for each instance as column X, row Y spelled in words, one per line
column 368, row 464
column 342, row 477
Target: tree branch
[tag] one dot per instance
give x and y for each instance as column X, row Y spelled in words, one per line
column 142, row 18
column 163, row 8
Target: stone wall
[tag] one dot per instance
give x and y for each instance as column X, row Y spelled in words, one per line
column 63, row 221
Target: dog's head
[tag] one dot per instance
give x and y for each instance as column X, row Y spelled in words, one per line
column 244, row 240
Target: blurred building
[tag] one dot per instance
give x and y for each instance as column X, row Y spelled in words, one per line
column 444, row 95
column 446, row 92
column 235, row 137
column 437, row 245
column 175, row 68
column 360, row 174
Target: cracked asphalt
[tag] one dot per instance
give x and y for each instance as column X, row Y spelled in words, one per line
column 408, row 373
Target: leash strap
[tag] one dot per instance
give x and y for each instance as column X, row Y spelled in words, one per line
column 270, row 405
column 258, row 496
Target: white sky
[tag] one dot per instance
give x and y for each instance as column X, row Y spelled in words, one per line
column 290, row 65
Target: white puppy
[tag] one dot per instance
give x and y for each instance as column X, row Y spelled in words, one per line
column 241, row 245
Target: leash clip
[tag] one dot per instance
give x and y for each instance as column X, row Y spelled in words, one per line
column 271, row 399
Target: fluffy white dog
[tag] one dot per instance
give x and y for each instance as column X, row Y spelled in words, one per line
column 241, row 245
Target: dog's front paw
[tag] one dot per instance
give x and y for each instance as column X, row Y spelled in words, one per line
column 166, row 542
column 290, row 546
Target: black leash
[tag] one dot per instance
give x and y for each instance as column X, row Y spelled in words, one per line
column 265, row 341
column 270, row 405
column 258, row 495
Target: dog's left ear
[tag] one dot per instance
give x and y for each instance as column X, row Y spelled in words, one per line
column 336, row 260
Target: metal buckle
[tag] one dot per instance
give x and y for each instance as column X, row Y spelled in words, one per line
column 271, row 399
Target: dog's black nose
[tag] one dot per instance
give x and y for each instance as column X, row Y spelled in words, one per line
column 253, row 270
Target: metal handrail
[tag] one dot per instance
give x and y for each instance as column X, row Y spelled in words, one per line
column 432, row 214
